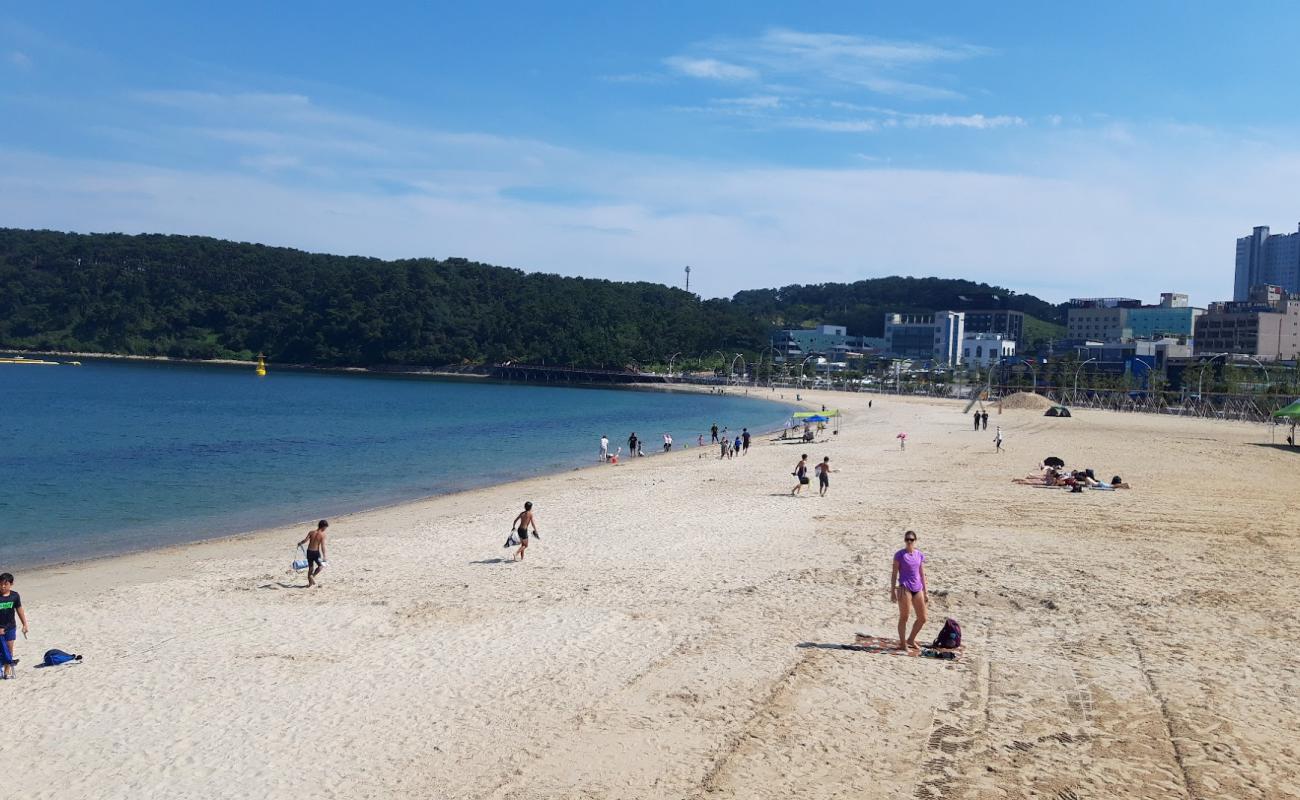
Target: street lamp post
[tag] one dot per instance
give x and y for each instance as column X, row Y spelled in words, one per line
column 670, row 364
column 1033, row 374
column 1074, row 397
column 803, row 364
column 1201, row 379
column 742, row 365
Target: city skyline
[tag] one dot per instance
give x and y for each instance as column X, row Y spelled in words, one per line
column 1059, row 154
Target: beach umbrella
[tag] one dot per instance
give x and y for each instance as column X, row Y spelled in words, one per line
column 1053, row 461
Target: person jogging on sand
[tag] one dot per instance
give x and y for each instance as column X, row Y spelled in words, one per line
column 823, row 471
column 800, row 472
column 997, row 439
column 11, row 613
column 315, row 541
column 520, row 526
column 907, row 588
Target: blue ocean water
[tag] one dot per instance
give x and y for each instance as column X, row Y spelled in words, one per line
column 116, row 456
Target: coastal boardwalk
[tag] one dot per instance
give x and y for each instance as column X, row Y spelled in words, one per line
column 675, row 633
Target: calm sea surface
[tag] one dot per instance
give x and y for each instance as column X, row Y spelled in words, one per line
column 111, row 456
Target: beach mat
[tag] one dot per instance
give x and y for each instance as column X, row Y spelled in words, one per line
column 878, row 644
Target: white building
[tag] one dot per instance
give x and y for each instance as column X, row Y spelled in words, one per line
column 986, row 349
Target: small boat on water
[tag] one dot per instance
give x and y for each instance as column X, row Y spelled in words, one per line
column 36, row 361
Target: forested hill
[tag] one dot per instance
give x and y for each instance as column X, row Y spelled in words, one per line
column 861, row 306
column 195, row 297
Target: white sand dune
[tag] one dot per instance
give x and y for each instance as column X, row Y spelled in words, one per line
column 1131, row 644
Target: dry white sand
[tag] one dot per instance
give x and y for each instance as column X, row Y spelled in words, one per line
column 1126, row 644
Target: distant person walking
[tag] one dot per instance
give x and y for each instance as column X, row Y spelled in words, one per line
column 632, row 443
column 11, row 613
column 824, row 475
column 604, row 448
column 520, row 527
column 902, row 441
column 800, row 473
column 315, row 541
column 668, row 442
column 735, row 446
column 976, row 415
column 714, row 433
column 984, row 417
column 907, row 588
column 997, row 439
column 744, row 441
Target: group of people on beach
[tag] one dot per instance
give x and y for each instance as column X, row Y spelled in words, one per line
column 822, row 469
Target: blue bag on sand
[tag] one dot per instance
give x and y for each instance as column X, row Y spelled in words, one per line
column 53, row 658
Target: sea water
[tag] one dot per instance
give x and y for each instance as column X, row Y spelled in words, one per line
column 115, row 456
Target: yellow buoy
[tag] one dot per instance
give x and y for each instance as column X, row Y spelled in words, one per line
column 261, row 364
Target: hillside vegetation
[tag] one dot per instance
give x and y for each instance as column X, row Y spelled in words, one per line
column 196, row 297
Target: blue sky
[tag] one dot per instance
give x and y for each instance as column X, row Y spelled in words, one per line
column 1097, row 149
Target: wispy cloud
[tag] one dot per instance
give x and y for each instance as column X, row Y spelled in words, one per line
column 283, row 169
column 20, row 59
column 710, row 68
column 755, row 101
column 828, row 61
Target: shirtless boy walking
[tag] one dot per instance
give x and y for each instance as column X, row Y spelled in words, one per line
column 520, row 527
column 315, row 541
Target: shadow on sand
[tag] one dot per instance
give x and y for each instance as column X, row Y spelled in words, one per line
column 494, row 561
column 1278, row 446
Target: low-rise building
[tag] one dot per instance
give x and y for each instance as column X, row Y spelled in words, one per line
column 983, row 350
column 831, row 341
column 1172, row 317
column 1011, row 324
column 1266, row 325
column 1105, row 318
column 936, row 338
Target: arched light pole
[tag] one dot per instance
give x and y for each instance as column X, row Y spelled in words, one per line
column 742, row 365
column 1268, row 384
column 803, row 364
column 670, row 364
column 1033, row 373
column 1200, row 380
column 1074, row 398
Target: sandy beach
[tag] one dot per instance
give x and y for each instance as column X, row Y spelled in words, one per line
column 672, row 634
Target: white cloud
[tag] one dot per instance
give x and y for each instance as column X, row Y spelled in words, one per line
column 831, row 125
column 710, row 68
column 1156, row 210
column 20, row 59
column 977, row 121
column 757, row 101
column 832, row 61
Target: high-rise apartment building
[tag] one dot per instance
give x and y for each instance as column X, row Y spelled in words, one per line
column 1264, row 258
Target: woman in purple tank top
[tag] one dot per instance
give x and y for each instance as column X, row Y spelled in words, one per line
column 907, row 588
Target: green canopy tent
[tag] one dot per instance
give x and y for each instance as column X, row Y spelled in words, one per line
column 1289, row 413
